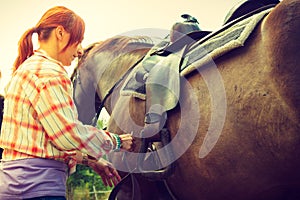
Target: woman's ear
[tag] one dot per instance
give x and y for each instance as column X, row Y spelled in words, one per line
column 59, row 32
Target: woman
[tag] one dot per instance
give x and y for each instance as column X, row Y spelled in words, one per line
column 41, row 136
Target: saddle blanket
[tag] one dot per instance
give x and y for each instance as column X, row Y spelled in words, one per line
column 223, row 42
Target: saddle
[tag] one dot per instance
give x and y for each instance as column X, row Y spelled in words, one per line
column 182, row 34
column 159, row 80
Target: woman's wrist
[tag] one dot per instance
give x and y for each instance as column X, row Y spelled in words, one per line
column 87, row 159
column 117, row 142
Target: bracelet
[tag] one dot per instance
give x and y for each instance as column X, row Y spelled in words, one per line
column 118, row 141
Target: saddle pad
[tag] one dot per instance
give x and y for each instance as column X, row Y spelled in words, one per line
column 220, row 44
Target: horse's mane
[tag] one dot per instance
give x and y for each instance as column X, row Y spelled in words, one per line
column 120, row 43
column 117, row 45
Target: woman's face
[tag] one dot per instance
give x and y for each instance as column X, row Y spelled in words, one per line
column 71, row 52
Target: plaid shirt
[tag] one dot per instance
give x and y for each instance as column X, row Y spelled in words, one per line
column 40, row 117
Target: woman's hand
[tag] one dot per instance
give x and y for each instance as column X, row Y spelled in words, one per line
column 105, row 169
column 127, row 142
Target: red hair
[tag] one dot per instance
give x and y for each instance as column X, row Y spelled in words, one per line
column 56, row 16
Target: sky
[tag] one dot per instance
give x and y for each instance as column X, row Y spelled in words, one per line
column 105, row 19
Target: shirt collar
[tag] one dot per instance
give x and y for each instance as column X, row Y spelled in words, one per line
column 43, row 53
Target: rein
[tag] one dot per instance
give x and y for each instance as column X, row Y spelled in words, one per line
column 94, row 123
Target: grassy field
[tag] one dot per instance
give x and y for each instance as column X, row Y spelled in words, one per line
column 85, row 194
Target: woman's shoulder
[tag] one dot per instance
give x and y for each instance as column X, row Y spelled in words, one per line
column 43, row 67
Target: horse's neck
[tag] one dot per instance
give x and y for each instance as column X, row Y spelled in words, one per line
column 115, row 74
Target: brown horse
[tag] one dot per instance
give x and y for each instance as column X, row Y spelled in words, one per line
column 235, row 130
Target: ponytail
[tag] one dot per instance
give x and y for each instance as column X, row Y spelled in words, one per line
column 25, row 48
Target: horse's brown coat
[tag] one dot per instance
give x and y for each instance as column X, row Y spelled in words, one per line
column 256, row 155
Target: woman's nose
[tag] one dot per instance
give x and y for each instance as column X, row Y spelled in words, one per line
column 80, row 51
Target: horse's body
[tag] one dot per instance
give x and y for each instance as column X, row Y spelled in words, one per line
column 256, row 154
